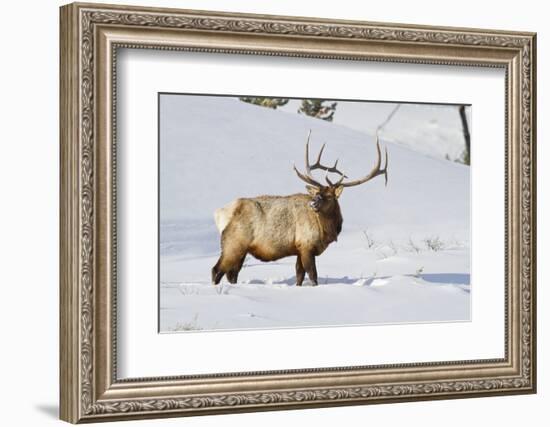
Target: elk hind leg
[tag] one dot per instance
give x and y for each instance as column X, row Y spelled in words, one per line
column 230, row 263
column 233, row 274
column 217, row 272
column 226, row 265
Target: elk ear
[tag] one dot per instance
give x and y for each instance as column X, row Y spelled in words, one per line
column 338, row 190
column 312, row 190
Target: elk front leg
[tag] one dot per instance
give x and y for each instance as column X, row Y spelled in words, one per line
column 300, row 272
column 308, row 261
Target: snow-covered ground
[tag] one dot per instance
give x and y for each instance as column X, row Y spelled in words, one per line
column 403, row 254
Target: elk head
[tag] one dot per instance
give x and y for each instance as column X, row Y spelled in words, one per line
column 325, row 197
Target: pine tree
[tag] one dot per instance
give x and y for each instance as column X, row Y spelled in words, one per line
column 272, row 103
column 318, row 108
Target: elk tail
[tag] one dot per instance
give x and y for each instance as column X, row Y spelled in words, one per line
column 223, row 215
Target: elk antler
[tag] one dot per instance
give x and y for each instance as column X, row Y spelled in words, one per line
column 308, row 177
column 375, row 171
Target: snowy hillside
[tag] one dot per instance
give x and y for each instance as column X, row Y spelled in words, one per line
column 403, row 254
column 433, row 130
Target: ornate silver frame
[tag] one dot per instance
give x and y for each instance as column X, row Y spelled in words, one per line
column 90, row 36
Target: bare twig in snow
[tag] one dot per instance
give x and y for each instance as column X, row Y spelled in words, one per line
column 413, row 246
column 369, row 239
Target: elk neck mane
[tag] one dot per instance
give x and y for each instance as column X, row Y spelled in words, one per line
column 330, row 223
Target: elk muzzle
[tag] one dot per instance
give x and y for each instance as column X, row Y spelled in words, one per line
column 316, row 202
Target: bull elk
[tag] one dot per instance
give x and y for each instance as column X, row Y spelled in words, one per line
column 274, row 227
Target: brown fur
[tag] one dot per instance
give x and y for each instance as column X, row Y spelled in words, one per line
column 274, row 227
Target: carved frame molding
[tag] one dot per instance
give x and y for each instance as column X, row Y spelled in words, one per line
column 90, row 36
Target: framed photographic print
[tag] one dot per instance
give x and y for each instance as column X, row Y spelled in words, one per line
column 266, row 212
